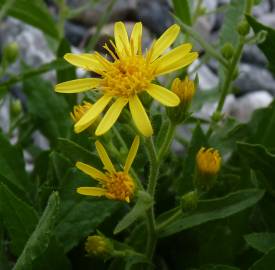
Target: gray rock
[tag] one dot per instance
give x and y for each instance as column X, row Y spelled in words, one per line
column 268, row 19
column 244, row 106
column 253, row 55
column 154, row 14
column 75, row 33
column 207, row 79
column 91, row 15
column 34, row 49
column 253, row 78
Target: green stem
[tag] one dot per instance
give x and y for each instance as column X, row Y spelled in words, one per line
column 167, row 141
column 5, row 8
column 154, row 166
column 228, row 82
column 103, row 19
column 230, row 71
column 169, row 220
column 152, row 182
column 208, row 48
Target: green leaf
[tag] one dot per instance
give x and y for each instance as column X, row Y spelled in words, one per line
column 76, row 152
column 233, row 15
column 198, row 140
column 40, row 238
column 53, row 258
column 266, row 262
column 259, row 159
column 12, row 169
column 218, row 267
column 261, row 241
column 212, row 210
column 267, row 47
column 80, row 215
column 144, row 202
column 18, row 217
column 33, row 13
column 68, row 73
column 58, row 64
column 259, row 130
column 49, row 110
column 183, row 11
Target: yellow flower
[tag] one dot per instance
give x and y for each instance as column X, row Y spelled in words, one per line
column 98, row 245
column 208, row 161
column 130, row 74
column 184, row 89
column 116, row 185
column 80, row 110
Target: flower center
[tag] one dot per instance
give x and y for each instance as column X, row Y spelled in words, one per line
column 127, row 76
column 120, row 186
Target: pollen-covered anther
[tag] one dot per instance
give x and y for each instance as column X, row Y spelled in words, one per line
column 120, row 186
column 127, row 77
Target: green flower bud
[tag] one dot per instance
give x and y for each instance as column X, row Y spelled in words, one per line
column 11, row 52
column 217, row 116
column 243, row 28
column 98, row 245
column 15, row 107
column 189, row 201
column 227, row 50
column 261, row 36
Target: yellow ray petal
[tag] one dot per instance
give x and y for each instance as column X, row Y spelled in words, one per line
column 92, row 113
column 91, row 171
column 91, row 191
column 163, row 95
column 181, row 63
column 165, row 40
column 78, row 85
column 140, row 117
column 136, row 37
column 172, row 56
column 121, row 39
column 132, row 154
column 111, row 116
column 86, row 61
column 104, row 157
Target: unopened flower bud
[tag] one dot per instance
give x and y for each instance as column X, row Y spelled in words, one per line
column 208, row 164
column 227, row 50
column 97, row 245
column 243, row 28
column 185, row 90
column 80, row 110
column 16, row 107
column 216, row 117
column 189, row 201
column 11, row 52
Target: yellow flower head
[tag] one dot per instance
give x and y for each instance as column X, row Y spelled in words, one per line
column 129, row 74
column 208, row 161
column 97, row 245
column 184, row 89
column 80, row 110
column 116, row 185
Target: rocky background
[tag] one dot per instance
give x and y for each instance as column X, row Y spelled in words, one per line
column 254, row 88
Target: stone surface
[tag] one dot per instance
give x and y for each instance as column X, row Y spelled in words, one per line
column 207, row 79
column 34, row 49
column 268, row 19
column 253, row 55
column 244, row 106
column 252, row 78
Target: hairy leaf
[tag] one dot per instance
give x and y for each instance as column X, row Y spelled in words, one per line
column 212, row 209
column 40, row 238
